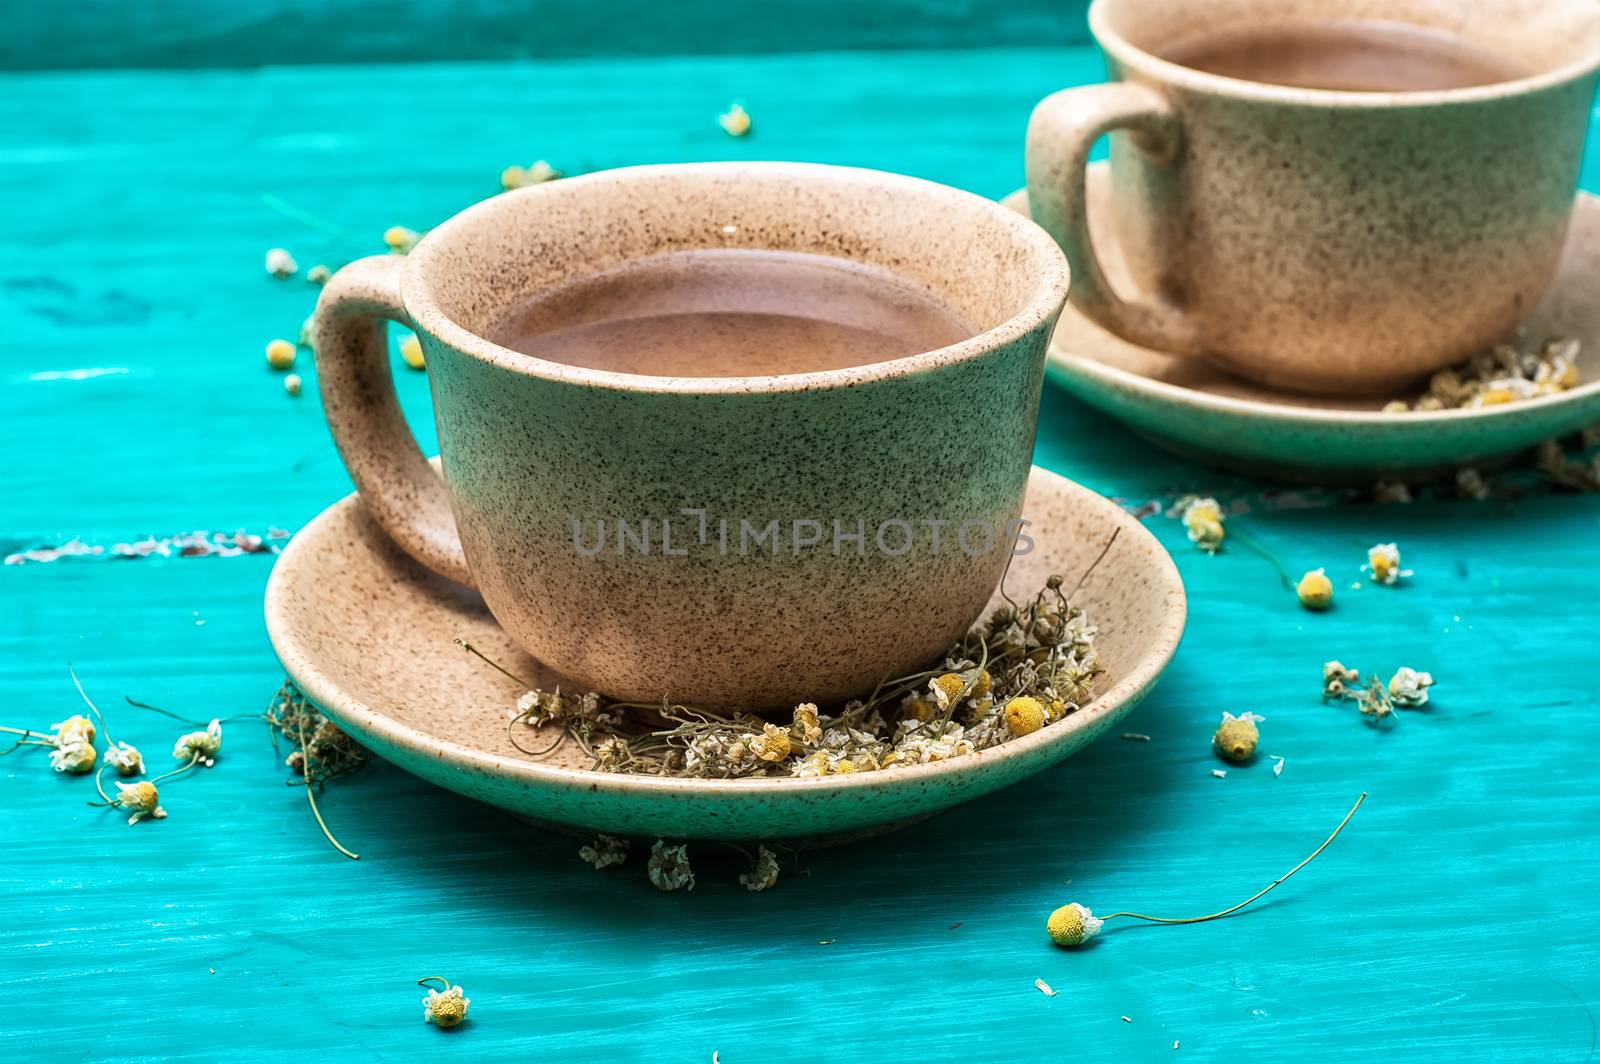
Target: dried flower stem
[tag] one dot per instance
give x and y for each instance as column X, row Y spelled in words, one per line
column 1258, row 894
column 99, row 717
column 305, row 217
column 311, row 798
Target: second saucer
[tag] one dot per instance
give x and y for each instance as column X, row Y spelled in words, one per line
column 1199, row 411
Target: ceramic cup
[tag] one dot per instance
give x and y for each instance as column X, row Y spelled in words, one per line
column 1327, row 241
column 620, row 526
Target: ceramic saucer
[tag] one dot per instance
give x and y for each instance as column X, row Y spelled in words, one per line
column 368, row 635
column 1202, row 412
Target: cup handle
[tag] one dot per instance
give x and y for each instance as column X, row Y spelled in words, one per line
column 1062, row 130
column 399, row 487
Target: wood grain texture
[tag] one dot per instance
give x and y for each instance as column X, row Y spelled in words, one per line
column 255, row 33
column 1446, row 924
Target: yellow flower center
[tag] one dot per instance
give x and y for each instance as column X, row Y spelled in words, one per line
column 1024, row 715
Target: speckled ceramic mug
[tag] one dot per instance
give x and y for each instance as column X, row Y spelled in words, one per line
column 1328, row 241
column 536, row 454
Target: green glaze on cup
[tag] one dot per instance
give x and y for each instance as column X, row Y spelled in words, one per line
column 1323, row 241
column 529, row 446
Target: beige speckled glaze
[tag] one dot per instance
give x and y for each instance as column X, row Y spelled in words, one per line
column 530, row 446
column 1335, row 242
column 367, row 633
column 1203, row 412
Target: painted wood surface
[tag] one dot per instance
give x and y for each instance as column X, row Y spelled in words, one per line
column 256, row 33
column 1448, row 923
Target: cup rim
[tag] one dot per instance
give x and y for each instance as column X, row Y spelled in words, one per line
column 1163, row 70
column 1044, row 302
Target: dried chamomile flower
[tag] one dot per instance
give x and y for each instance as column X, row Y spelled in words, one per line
column 280, row 263
column 735, row 121
column 773, row 744
column 142, row 799
column 1024, row 715
column 669, row 867
column 200, row 747
column 125, row 759
column 292, row 385
column 1391, row 491
column 606, row 851
column 1408, row 687
column 1072, row 925
column 400, row 239
column 918, row 708
column 763, row 873
column 308, row 333
column 1202, row 518
column 280, row 354
column 1236, row 737
column 1337, row 680
column 319, row 274
column 1315, row 590
column 1383, row 562
column 521, row 177
column 947, row 690
column 1470, row 484
column 444, row 1008
column 75, row 729
column 807, row 726
column 75, row 758
column 411, row 352
column 1374, row 702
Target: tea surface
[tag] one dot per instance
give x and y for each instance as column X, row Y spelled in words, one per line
column 731, row 313
column 1347, row 55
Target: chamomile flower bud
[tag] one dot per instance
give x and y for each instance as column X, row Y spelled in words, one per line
column 411, row 352
column 1408, row 687
column 1383, row 562
column 319, row 274
column 1315, row 590
column 125, row 759
column 142, row 799
column 735, row 122
column 1236, row 737
column 1072, row 925
column 539, row 173
column 513, row 177
column 201, row 746
column 400, row 239
column 605, row 852
column 73, row 757
column 280, row 354
column 1024, row 715
column 669, row 867
column 280, row 263
column 764, row 873
column 447, row 1008
column 982, row 684
column 292, row 384
column 75, row 729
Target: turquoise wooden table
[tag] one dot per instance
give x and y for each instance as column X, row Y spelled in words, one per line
column 1447, row 923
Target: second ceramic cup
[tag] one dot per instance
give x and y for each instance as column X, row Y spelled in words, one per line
column 735, row 542
column 1313, row 239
